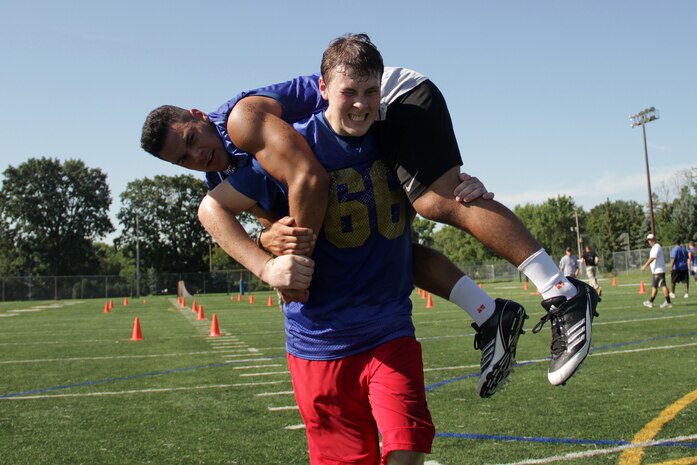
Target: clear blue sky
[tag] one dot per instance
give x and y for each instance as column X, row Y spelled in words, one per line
column 539, row 91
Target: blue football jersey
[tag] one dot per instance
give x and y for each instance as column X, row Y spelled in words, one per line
column 359, row 296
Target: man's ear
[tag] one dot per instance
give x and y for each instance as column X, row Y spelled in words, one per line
column 196, row 113
column 323, row 88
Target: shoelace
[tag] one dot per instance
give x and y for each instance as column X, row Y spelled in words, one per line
column 477, row 337
column 558, row 342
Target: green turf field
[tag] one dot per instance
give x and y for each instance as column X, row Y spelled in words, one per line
column 75, row 390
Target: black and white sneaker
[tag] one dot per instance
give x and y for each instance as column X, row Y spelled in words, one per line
column 571, row 330
column 497, row 339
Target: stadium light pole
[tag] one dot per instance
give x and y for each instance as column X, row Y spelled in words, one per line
column 578, row 235
column 640, row 119
column 137, row 257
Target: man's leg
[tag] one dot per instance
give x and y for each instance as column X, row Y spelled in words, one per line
column 419, row 139
column 494, row 225
column 405, row 457
column 498, row 323
column 673, row 277
column 570, row 307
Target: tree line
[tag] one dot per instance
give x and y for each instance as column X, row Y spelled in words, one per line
column 54, row 216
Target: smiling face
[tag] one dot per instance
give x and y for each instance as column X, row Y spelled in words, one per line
column 354, row 101
column 195, row 145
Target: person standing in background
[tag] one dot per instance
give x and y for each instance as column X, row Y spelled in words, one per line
column 679, row 268
column 590, row 258
column 658, row 270
column 692, row 259
column 569, row 264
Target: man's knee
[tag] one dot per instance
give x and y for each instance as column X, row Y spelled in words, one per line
column 438, row 203
column 405, row 457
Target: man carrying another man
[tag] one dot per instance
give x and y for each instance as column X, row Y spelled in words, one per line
column 417, row 123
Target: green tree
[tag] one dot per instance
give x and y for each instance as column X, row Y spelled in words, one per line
column 460, row 247
column 51, row 213
column 552, row 223
column 422, row 231
column 683, row 216
column 164, row 209
column 110, row 260
column 611, row 225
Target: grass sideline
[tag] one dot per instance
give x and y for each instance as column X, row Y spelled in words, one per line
column 75, row 390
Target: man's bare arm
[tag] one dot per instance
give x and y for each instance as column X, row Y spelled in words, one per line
column 217, row 214
column 255, row 126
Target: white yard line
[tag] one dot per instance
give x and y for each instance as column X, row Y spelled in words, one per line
column 271, row 394
column 270, row 373
column 141, row 391
column 596, row 452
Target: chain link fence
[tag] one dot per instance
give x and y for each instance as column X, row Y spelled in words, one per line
column 223, row 282
column 633, row 259
column 105, row 286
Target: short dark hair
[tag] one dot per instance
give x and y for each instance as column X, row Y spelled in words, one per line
column 156, row 126
column 353, row 54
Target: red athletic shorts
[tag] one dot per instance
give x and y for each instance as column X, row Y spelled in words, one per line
column 345, row 403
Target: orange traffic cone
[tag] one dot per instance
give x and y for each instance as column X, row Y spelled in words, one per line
column 193, row 306
column 429, row 301
column 145, row 301
column 251, row 298
column 136, row 335
column 270, row 302
column 480, row 286
column 215, row 331
column 614, row 280
column 200, row 313
column 525, row 286
column 106, row 307
column 239, row 297
column 125, row 301
column 537, row 291
column 642, row 288
column 111, row 304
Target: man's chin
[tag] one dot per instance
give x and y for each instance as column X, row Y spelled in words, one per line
column 356, row 130
column 219, row 164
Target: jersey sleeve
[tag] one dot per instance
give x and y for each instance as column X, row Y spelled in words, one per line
column 252, row 181
column 299, row 97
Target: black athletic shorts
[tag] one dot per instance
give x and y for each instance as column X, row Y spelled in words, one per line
column 417, row 138
column 659, row 280
column 679, row 276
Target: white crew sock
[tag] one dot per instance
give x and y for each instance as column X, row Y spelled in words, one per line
column 545, row 275
column 472, row 299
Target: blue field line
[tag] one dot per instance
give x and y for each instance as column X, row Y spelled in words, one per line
column 430, row 387
column 434, row 386
column 597, row 442
column 123, row 378
column 653, row 339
